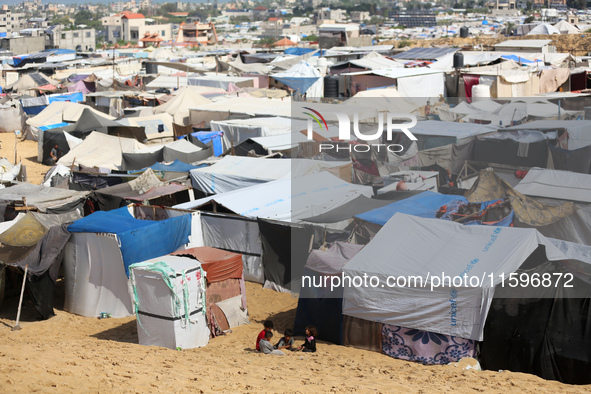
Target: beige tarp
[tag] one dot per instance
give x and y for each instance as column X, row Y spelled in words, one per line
column 178, row 106
column 551, row 79
column 527, row 210
column 62, row 111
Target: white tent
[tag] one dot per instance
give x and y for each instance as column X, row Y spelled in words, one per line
column 566, row 28
column 483, row 253
column 12, row 118
column 543, row 29
column 100, row 150
column 579, row 131
column 234, row 172
column 178, row 106
column 304, row 78
column 562, row 185
column 239, row 130
column 288, row 200
column 240, row 107
column 152, row 124
column 61, row 111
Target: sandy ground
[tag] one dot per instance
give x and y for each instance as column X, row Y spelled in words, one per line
column 70, row 353
column 26, row 152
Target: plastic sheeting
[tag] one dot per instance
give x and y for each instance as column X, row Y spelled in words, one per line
column 398, row 250
column 45, row 199
column 238, row 235
column 301, row 77
column 287, row 199
column 561, row 185
column 139, row 240
column 233, row 172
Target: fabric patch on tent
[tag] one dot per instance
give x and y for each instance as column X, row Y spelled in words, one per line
column 27, row 232
column 363, row 334
column 232, row 308
column 217, row 292
column 527, row 210
column 425, row 347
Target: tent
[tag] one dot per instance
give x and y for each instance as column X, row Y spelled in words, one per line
column 60, row 111
column 210, row 139
column 239, row 130
column 234, row 173
column 90, row 121
column 185, row 151
column 319, row 306
column 239, row 107
column 543, row 29
column 48, row 139
column 454, row 250
column 169, row 302
column 287, row 199
column 555, row 184
column 31, row 82
column 178, row 106
column 12, row 118
column 156, row 126
column 36, row 240
column 566, row 28
column 433, row 133
column 104, row 244
column 141, row 158
column 100, row 150
column 224, row 82
column 146, row 189
column 303, row 78
column 578, row 131
column 45, row 199
column 225, row 285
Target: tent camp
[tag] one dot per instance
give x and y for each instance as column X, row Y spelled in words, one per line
column 178, row 106
column 233, row 173
column 185, row 151
column 104, row 244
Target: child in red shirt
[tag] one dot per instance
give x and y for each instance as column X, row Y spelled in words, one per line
column 268, row 326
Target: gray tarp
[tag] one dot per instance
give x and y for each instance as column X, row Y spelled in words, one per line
column 46, row 199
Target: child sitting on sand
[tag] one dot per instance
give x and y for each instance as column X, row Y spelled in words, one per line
column 287, row 341
column 310, row 341
column 266, row 347
column 268, row 326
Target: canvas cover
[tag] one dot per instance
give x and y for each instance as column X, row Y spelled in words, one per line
column 152, row 125
column 100, row 150
column 169, row 302
column 239, row 107
column 61, row 111
column 178, row 107
column 303, row 78
column 12, row 119
column 234, row 172
column 317, row 194
column 45, row 199
column 560, row 185
column 219, row 264
column 239, row 235
column 185, row 151
column 142, row 158
column 398, row 250
column 527, row 210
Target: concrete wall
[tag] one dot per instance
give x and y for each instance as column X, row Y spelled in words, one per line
column 70, row 39
column 22, row 45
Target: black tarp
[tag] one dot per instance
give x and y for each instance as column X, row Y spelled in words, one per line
column 50, row 138
column 139, row 133
column 139, row 160
column 578, row 160
column 505, row 151
column 544, row 331
column 84, row 181
column 286, row 248
column 244, row 147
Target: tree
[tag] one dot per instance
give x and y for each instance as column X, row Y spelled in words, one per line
column 529, row 19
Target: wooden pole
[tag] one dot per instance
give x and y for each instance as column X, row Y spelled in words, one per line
column 20, row 302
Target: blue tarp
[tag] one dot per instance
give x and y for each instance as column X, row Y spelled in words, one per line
column 214, row 136
column 54, row 126
column 517, row 59
column 176, row 166
column 301, row 84
column 424, row 205
column 302, row 51
column 34, row 110
column 72, row 97
column 18, row 60
column 140, row 240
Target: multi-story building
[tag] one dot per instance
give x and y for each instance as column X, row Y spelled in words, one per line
column 128, row 26
column 11, row 21
column 329, row 14
column 197, row 34
column 78, row 40
column 360, row 16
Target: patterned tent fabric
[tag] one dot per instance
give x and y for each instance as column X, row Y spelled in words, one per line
column 27, row 232
column 527, row 210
